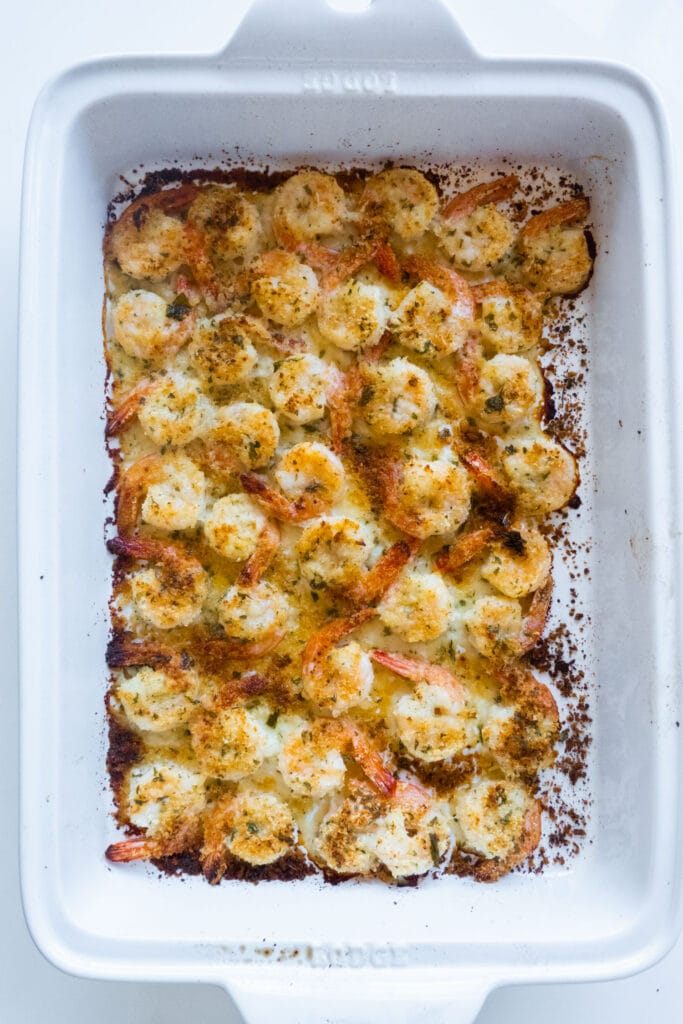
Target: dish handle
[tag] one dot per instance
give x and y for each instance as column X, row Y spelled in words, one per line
column 318, row 33
column 333, row 1001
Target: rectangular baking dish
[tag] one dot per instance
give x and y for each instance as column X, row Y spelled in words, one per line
column 303, row 82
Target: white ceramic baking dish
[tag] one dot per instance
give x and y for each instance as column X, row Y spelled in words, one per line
column 303, row 81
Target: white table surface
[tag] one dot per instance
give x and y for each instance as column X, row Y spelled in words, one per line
column 41, row 38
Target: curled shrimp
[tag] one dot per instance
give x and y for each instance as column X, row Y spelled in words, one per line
column 521, row 732
column 255, row 826
column 308, row 764
column 455, row 287
column 325, row 639
column 172, row 591
column 423, row 498
column 145, row 241
column 510, row 317
column 307, row 206
column 435, row 721
column 171, row 410
column 407, row 832
column 497, row 627
column 337, row 678
column 553, row 252
column 501, row 822
column 309, row 474
column 185, row 836
column 472, row 232
column 167, row 491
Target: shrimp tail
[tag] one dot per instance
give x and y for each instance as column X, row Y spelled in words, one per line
column 487, row 480
column 133, row 849
column 256, row 567
column 369, row 760
column 384, row 572
column 419, row 671
column 536, row 617
column 272, row 500
column 123, row 652
column 330, row 634
column 465, row 548
column 458, row 290
column 570, row 212
column 465, row 203
column 127, row 410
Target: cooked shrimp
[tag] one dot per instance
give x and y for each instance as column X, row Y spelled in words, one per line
column 337, row 678
column 171, row 409
column 285, row 289
column 334, row 552
column 155, row 699
column 499, row 820
column 244, row 435
column 501, row 392
column 542, row 474
column 352, row 316
column 510, row 319
column 496, row 627
column 304, row 387
column 436, row 721
column 396, row 397
column 521, row 732
column 233, row 527
column 312, row 763
column 166, row 799
column 417, row 607
column 228, row 221
column 145, row 241
column 519, row 562
column 552, row 252
column 252, row 825
column 431, row 321
column 401, row 199
column 172, row 591
column 254, row 617
column 310, row 475
column 473, row 233
column 230, row 743
column 424, row 498
column 407, row 833
column 222, row 348
column 167, row 491
column 308, row 206
column 144, row 328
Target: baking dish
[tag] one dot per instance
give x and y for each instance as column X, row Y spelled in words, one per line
column 304, row 82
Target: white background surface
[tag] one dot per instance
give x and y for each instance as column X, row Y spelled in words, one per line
column 40, row 39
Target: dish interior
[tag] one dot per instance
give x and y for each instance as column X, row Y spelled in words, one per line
column 607, row 886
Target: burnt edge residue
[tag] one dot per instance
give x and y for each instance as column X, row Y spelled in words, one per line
column 560, row 654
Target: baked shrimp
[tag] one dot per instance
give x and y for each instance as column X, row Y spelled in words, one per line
column 553, row 252
column 333, row 569
column 472, row 231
